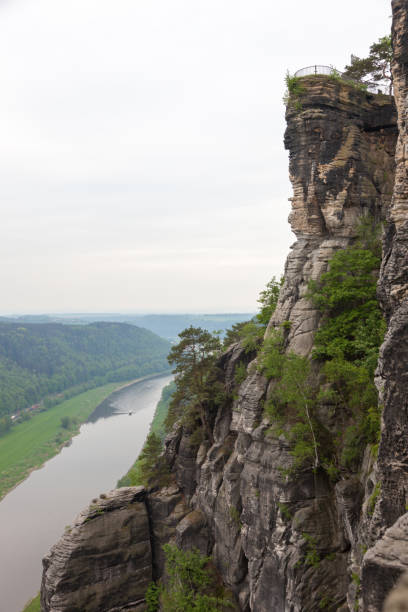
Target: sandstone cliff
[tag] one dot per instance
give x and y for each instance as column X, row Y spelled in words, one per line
column 232, row 499
column 388, row 558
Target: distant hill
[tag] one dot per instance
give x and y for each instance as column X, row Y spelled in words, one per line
column 166, row 325
column 46, row 358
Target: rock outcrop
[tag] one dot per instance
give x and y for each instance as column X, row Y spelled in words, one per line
column 393, row 290
column 341, row 164
column 387, row 559
column 282, row 544
column 384, row 564
column 106, row 560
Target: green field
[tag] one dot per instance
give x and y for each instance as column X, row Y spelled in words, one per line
column 30, row 444
column 34, row 605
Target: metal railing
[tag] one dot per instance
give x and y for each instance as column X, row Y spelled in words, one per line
column 318, row 69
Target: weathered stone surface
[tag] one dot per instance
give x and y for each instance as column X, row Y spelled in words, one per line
column 341, row 164
column 392, row 380
column 281, row 544
column 167, row 507
column 397, row 600
column 383, row 565
column 103, row 562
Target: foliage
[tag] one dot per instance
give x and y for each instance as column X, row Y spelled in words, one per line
column 136, row 476
column 194, row 359
column 346, row 294
column 346, row 352
column 271, row 357
column 158, row 423
column 154, row 470
column 294, row 91
column 153, row 597
column 68, row 422
column 240, row 373
column 292, row 399
column 285, row 512
column 349, row 337
column 233, row 334
column 377, row 66
column 268, row 299
column 326, row 602
column 250, row 333
column 192, row 584
column 5, row 424
column 312, row 556
column 39, row 360
column 372, row 500
column 235, row 516
column 251, row 336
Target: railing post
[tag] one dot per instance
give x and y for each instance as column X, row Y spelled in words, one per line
column 315, row 69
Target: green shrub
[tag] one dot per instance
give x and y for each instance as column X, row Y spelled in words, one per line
column 240, row 373
column 192, row 584
column 153, row 597
column 294, row 92
column 235, row 516
column 292, row 401
column 285, row 512
column 251, row 336
column 312, row 556
column 154, row 470
column 348, row 340
column 372, row 500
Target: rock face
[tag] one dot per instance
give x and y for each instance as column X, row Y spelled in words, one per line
column 106, row 554
column 341, row 164
column 105, row 561
column 280, row 544
column 393, row 287
column 389, row 556
column 384, row 564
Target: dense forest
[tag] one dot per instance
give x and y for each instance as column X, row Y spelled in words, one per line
column 37, row 360
column 166, row 325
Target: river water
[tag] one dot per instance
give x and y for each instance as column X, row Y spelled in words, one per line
column 33, row 516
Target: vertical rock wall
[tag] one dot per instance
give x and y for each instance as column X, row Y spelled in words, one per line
column 341, row 144
column 388, row 558
column 341, row 165
column 280, row 544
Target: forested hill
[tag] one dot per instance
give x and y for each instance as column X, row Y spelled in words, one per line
column 166, row 325
column 37, row 360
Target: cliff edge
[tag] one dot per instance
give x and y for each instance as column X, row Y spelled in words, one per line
column 282, row 540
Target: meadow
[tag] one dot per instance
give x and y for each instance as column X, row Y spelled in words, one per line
column 34, row 605
column 30, row 444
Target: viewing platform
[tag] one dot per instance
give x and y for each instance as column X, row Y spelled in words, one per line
column 318, row 69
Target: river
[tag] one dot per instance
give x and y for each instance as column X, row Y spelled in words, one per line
column 33, row 516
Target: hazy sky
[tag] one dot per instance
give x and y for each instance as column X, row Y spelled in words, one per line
column 142, row 165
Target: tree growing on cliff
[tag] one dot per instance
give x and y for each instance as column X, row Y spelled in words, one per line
column 250, row 333
column 376, row 67
column 154, row 470
column 194, row 357
column 192, row 583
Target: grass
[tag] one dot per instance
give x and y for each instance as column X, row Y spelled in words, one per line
column 34, row 605
column 31, row 443
column 134, row 476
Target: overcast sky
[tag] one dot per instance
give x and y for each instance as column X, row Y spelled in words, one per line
column 142, row 166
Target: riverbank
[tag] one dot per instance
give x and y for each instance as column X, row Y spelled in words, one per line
column 133, row 476
column 34, row 605
column 31, row 443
